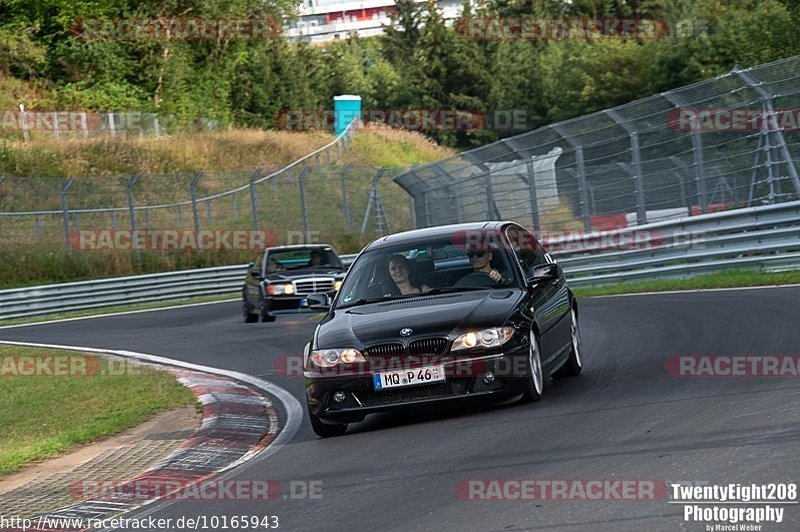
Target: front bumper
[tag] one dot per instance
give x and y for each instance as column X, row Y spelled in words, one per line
column 283, row 303
column 464, row 382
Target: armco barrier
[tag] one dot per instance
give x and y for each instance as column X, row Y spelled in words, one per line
column 135, row 289
column 757, row 237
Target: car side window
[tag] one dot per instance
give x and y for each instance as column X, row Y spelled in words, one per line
column 526, row 248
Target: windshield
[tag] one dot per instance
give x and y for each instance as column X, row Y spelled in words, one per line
column 422, row 268
column 294, row 259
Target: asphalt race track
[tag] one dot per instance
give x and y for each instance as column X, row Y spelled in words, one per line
column 625, row 418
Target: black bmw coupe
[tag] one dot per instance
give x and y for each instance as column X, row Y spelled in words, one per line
column 442, row 314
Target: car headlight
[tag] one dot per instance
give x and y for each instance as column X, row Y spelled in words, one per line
column 337, row 285
column 328, row 358
column 280, row 289
column 494, row 337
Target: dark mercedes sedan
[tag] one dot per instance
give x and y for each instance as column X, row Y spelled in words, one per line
column 443, row 314
column 281, row 278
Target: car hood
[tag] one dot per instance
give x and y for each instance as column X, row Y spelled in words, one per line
column 437, row 315
column 291, row 275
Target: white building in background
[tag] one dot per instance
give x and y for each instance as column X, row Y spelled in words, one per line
column 327, row 20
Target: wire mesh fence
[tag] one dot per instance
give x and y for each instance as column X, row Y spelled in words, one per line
column 725, row 143
column 315, row 199
column 22, row 123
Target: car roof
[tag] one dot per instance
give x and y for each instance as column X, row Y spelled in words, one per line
column 300, row 246
column 437, row 231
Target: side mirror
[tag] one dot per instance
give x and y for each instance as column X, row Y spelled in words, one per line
column 319, row 301
column 255, row 271
column 544, row 273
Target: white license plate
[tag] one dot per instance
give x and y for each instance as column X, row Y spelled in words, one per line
column 408, row 377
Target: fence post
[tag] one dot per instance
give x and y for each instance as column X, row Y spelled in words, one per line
column 697, row 153
column 373, row 193
column 301, row 180
column 582, row 186
column 537, row 226
column 37, row 223
column 680, row 164
column 65, row 211
column 195, row 215
column 56, row 132
column 580, row 174
column 24, row 119
column 113, row 221
column 84, row 125
column 491, row 208
column 641, row 207
column 235, row 204
column 254, row 198
column 132, row 213
column 180, row 215
column 345, row 199
column 112, row 127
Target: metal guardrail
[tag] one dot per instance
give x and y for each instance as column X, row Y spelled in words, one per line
column 767, row 236
column 131, row 290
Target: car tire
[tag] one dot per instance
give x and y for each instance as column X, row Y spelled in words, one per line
column 534, row 380
column 323, row 430
column 573, row 365
column 249, row 317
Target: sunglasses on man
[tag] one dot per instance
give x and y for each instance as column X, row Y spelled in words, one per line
column 472, row 254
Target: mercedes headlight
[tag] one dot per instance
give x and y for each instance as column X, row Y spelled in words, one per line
column 280, row 289
column 487, row 338
column 328, row 358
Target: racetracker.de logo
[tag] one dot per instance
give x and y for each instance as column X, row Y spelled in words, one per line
column 65, row 366
column 733, row 366
column 560, row 490
column 177, row 29
column 172, row 240
column 17, row 120
column 149, row 489
column 529, row 28
column 706, row 120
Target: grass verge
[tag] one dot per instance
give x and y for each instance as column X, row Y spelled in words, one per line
column 47, row 415
column 724, row 279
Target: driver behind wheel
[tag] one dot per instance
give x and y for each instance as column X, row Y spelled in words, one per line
column 481, row 262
